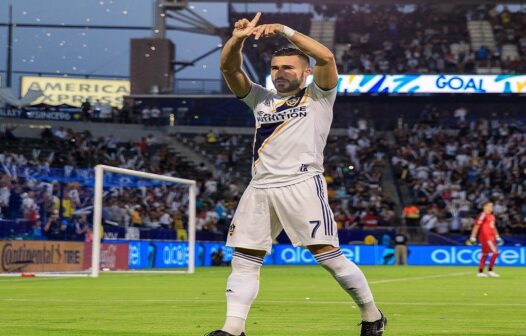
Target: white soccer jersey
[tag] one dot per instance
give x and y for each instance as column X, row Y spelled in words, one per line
column 291, row 133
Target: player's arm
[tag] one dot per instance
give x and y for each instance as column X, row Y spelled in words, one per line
column 476, row 228
column 497, row 236
column 232, row 57
column 474, row 232
column 325, row 70
column 48, row 224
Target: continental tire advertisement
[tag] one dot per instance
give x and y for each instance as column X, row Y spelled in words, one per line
column 41, row 256
column 74, row 91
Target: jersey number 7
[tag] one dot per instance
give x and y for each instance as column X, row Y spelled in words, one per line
column 316, row 226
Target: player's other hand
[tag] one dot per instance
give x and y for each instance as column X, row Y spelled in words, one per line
column 471, row 241
column 268, row 30
column 500, row 241
column 244, row 28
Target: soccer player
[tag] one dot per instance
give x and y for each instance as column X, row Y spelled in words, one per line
column 287, row 190
column 489, row 239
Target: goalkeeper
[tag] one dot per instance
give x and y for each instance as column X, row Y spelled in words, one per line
column 486, row 232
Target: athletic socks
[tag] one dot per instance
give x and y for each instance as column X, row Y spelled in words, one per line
column 352, row 280
column 482, row 262
column 242, row 289
column 492, row 261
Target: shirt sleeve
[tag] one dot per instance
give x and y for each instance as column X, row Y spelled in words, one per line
column 256, row 95
column 480, row 219
column 320, row 94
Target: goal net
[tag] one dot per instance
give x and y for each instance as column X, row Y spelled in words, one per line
column 122, row 221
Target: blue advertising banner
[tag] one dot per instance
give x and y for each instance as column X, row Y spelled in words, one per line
column 170, row 255
column 141, row 255
column 425, row 84
column 360, row 254
column 175, row 254
column 463, row 255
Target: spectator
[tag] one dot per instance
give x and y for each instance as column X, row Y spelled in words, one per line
column 155, row 116
column 85, row 108
column 217, row 258
column 55, row 229
column 146, row 116
column 400, row 241
column 97, row 110
column 411, row 214
column 60, row 133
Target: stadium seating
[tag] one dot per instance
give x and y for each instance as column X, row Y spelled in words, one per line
column 451, row 172
column 382, row 38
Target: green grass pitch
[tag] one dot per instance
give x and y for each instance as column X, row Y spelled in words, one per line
column 292, row 301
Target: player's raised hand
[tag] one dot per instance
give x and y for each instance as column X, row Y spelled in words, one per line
column 244, row 28
column 268, row 30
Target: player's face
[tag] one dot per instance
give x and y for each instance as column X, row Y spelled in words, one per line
column 488, row 207
column 289, row 73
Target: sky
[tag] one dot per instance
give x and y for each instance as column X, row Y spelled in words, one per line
column 96, row 51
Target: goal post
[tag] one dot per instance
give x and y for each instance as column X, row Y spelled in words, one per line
column 74, row 246
column 97, row 213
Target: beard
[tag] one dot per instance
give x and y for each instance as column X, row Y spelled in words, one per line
column 285, row 85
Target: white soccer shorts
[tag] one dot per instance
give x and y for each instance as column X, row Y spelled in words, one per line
column 301, row 209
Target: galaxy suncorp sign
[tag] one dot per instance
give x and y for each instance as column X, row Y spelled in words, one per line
column 424, row 84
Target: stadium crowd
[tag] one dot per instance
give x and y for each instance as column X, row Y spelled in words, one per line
column 449, row 169
column 38, row 185
column 354, row 169
column 425, row 39
column 34, row 182
column 385, row 39
column 451, row 172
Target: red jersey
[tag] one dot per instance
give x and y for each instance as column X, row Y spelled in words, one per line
column 487, row 225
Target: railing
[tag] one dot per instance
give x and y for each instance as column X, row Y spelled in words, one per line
column 199, row 86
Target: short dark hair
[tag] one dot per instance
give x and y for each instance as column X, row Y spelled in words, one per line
column 292, row 52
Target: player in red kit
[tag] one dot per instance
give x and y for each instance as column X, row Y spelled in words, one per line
column 486, row 232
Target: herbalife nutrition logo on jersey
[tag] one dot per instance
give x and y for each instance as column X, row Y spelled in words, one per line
column 292, row 113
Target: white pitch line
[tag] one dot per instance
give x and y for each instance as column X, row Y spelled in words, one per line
column 425, row 277
column 264, row 302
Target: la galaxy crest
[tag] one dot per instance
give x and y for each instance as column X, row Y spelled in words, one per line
column 231, row 229
column 292, row 101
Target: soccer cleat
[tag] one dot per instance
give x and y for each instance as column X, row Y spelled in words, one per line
column 375, row 328
column 492, row 274
column 222, row 333
column 482, row 275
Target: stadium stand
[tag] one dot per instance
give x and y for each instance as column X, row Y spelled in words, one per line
column 444, row 158
column 399, row 39
column 450, row 172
